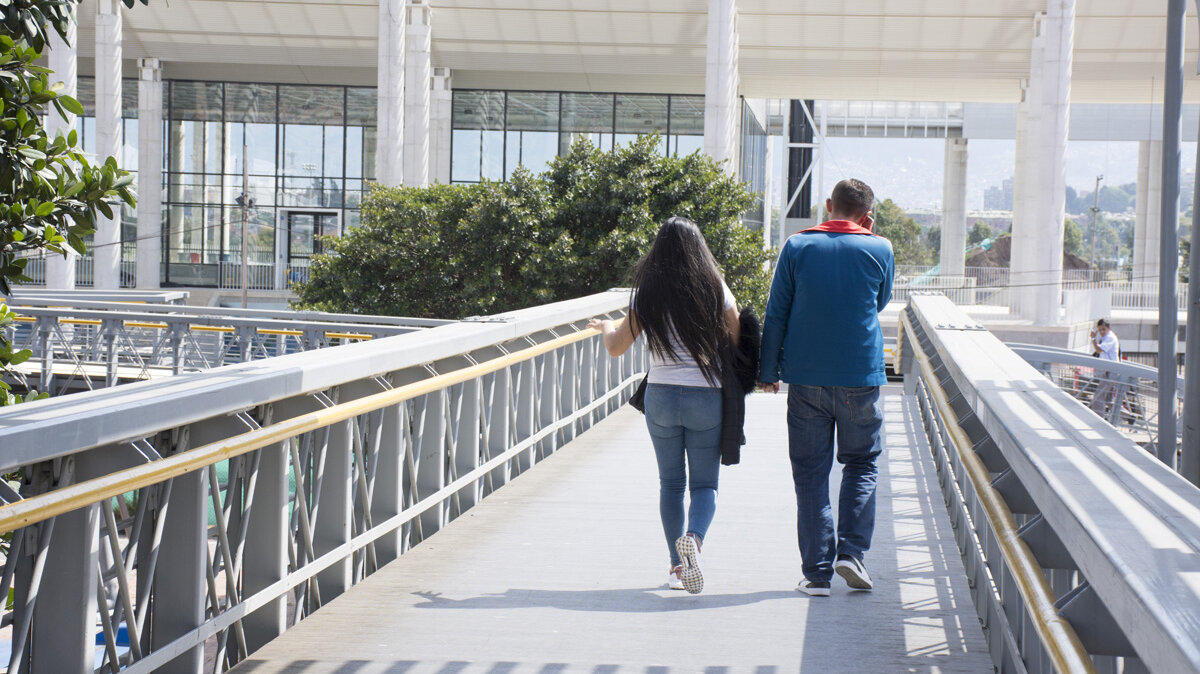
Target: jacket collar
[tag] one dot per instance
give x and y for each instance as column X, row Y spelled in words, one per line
column 839, row 227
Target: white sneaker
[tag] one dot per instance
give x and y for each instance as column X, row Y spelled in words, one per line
column 675, row 579
column 852, row 570
column 814, row 588
column 688, row 548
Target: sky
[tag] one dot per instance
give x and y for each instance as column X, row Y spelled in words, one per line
column 909, row 170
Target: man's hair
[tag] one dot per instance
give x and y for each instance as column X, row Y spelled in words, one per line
column 851, row 197
column 1103, row 322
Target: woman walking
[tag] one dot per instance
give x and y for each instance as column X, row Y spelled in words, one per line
column 689, row 317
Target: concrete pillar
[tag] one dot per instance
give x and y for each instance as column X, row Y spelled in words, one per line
column 1037, row 252
column 64, row 61
column 954, row 207
column 107, row 240
column 389, row 143
column 441, row 105
column 175, row 189
column 418, row 71
column 150, row 161
column 721, row 105
column 1148, row 226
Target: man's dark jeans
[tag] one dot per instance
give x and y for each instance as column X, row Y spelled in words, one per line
column 815, row 414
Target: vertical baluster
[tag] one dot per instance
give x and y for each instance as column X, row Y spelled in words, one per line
column 332, row 526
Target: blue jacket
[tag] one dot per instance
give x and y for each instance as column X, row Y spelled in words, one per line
column 822, row 321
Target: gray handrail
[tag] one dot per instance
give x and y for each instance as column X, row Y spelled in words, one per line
column 1036, row 353
column 1085, row 497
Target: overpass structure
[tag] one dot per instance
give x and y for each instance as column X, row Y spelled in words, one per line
column 473, row 497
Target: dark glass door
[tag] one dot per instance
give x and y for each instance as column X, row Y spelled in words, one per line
column 303, row 230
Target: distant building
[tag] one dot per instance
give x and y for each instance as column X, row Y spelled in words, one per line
column 999, row 198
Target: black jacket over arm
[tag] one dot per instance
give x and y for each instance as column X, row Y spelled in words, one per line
column 739, row 375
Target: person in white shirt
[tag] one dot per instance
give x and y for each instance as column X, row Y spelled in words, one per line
column 1105, row 346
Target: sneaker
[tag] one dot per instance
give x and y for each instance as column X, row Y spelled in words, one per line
column 688, row 548
column 675, row 578
column 814, row 588
column 852, row 570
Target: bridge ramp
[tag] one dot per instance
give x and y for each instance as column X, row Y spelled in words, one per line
column 563, row 571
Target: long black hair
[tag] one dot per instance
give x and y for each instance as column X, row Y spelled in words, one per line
column 677, row 290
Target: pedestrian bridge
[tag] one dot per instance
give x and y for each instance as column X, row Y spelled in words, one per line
column 475, row 497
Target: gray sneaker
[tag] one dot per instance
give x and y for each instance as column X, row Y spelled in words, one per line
column 851, row 569
column 688, row 548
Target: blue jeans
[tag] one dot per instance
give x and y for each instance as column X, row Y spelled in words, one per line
column 815, row 414
column 685, row 427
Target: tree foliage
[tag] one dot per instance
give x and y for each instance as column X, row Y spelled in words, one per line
column 450, row 251
column 980, row 232
column 908, row 241
column 51, row 192
column 1072, row 238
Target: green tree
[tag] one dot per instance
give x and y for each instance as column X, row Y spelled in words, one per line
column 1185, row 257
column 908, row 242
column 456, row 250
column 933, row 240
column 980, row 232
column 1072, row 238
column 51, row 193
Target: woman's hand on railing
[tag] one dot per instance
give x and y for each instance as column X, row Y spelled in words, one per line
column 618, row 336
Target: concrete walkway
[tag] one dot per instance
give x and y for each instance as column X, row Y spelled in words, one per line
column 563, row 571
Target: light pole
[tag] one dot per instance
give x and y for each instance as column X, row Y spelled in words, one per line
column 1095, row 212
column 246, row 203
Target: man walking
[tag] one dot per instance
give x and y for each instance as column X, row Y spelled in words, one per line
column 821, row 335
column 1106, row 346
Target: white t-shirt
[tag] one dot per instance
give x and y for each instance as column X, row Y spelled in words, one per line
column 683, row 372
column 1110, row 347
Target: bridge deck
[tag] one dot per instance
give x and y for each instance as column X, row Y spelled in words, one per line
column 563, row 571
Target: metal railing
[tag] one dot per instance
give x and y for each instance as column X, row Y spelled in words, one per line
column 92, row 344
column 1070, row 533
column 204, row 514
column 1124, row 394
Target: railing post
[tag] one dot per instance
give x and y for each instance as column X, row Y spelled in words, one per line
column 388, row 498
column 547, row 402
column 431, row 450
column 570, row 385
column 64, row 628
column 587, row 381
column 334, row 510
column 180, row 576
column 499, row 415
column 527, row 387
column 266, row 553
column 466, row 450
column 109, row 336
column 45, row 328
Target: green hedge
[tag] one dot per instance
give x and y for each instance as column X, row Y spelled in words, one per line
column 450, row 251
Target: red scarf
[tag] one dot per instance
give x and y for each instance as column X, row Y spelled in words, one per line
column 839, row 227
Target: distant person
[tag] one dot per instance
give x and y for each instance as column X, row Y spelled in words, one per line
column 689, row 316
column 1105, row 346
column 821, row 335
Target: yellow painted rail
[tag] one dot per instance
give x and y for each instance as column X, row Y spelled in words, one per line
column 1063, row 646
column 60, row 501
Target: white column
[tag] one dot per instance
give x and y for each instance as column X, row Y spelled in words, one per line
column 389, row 144
column 1148, row 226
column 107, row 240
column 441, row 105
column 721, row 106
column 954, row 207
column 1038, row 252
column 63, row 60
column 150, row 160
column 418, row 71
column 768, row 191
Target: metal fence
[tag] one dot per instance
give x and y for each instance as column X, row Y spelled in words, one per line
column 97, row 344
column 204, row 514
column 1070, row 533
column 1122, row 393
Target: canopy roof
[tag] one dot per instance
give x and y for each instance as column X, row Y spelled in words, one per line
column 935, row 50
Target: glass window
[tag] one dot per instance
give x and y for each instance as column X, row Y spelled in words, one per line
column 587, row 116
column 478, row 136
column 638, row 115
column 687, row 125
column 354, row 152
column 311, row 105
column 532, row 130
column 335, row 137
column 301, row 150
column 753, row 168
column 200, row 101
column 253, row 103
column 360, row 106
